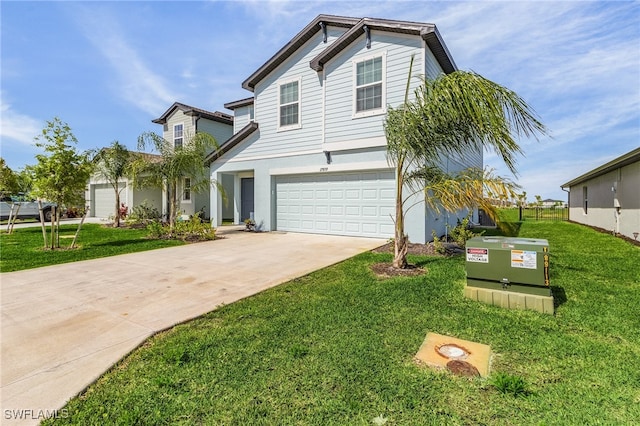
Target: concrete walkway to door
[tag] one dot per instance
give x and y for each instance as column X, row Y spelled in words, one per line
column 65, row 325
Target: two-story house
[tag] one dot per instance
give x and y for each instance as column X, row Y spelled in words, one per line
column 308, row 152
column 179, row 123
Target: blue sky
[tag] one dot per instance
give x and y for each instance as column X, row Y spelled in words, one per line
column 109, row 68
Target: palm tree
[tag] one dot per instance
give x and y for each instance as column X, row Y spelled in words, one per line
column 173, row 164
column 112, row 164
column 453, row 115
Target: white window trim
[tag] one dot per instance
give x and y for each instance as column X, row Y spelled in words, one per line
column 182, row 199
column 174, row 133
column 371, row 112
column 299, row 124
column 252, row 111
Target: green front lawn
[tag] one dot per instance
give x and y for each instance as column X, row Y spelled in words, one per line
column 23, row 249
column 336, row 347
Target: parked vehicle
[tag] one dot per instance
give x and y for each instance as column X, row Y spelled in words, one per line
column 28, row 208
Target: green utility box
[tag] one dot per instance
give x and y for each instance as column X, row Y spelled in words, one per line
column 509, row 264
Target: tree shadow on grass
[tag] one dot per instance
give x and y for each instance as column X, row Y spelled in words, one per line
column 120, row 243
column 510, row 229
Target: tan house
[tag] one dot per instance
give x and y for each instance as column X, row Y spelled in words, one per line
column 608, row 196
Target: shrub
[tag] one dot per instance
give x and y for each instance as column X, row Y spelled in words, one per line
column 437, row 243
column 193, row 229
column 461, row 233
column 143, row 214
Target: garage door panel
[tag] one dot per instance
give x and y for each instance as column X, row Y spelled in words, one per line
column 322, row 225
column 354, row 203
column 388, row 194
column 337, row 211
column 352, row 194
column 369, row 211
column 387, row 229
column 386, row 211
column 370, row 194
column 352, row 211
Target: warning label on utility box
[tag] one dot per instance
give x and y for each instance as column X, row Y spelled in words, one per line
column 480, row 255
column 523, row 259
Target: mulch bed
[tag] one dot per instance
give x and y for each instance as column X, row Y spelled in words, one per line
column 386, row 269
column 422, row 249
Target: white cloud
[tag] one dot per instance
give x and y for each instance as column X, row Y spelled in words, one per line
column 17, row 126
column 136, row 82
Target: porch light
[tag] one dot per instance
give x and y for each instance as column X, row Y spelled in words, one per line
column 324, row 32
column 327, row 154
column 368, row 33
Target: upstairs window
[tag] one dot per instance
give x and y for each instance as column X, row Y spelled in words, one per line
column 251, row 113
column 289, row 104
column 177, row 135
column 369, row 95
column 186, row 189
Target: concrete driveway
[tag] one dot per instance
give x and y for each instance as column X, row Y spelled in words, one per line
column 63, row 326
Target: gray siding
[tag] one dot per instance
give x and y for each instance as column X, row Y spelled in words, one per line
column 240, row 118
column 309, row 136
column 432, row 68
column 340, row 123
column 601, row 211
column 220, row 131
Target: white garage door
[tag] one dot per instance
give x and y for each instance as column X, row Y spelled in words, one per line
column 104, row 201
column 359, row 204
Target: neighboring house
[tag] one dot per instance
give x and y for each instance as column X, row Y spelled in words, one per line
column 548, row 203
column 608, row 196
column 309, row 149
column 101, row 197
column 180, row 122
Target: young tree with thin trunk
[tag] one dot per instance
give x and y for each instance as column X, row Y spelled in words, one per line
column 452, row 116
column 174, row 164
column 61, row 173
column 112, row 164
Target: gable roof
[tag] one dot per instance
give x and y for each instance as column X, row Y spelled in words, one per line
column 231, row 142
column 428, row 32
column 218, row 116
column 294, row 44
column 624, row 160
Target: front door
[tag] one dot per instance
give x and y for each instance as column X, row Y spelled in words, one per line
column 246, row 198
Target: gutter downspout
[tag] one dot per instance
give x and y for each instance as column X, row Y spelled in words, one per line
column 568, row 203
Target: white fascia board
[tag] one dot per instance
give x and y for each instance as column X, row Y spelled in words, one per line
column 331, row 168
column 355, row 144
column 263, row 157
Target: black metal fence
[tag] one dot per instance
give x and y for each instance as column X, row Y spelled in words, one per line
column 544, row 213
